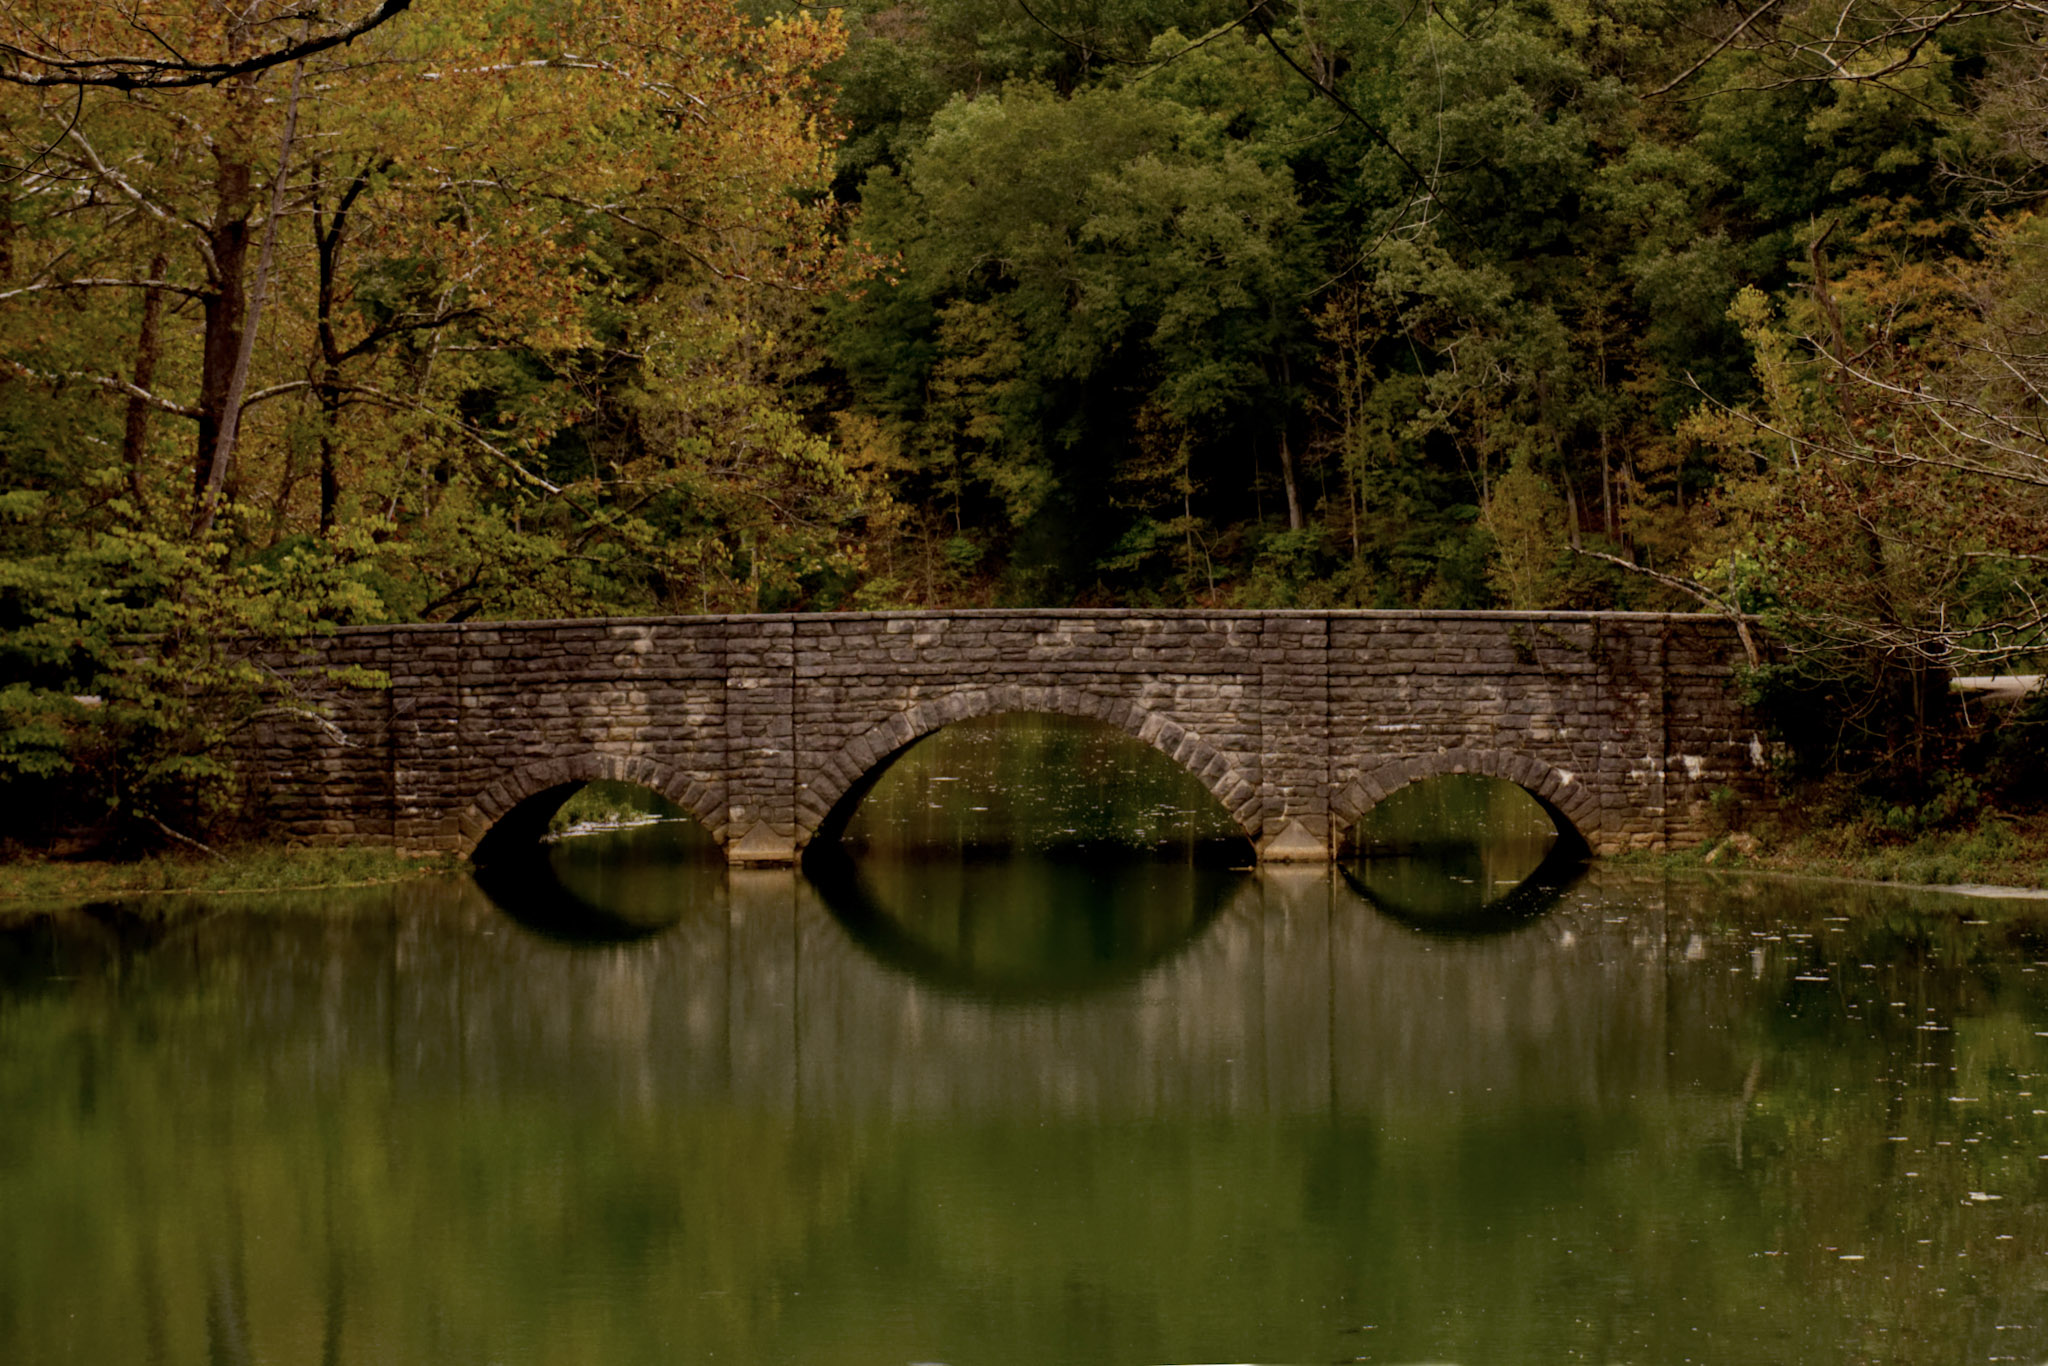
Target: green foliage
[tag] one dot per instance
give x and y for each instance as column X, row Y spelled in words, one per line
column 961, row 303
column 1092, row 309
column 1527, row 521
column 1063, row 349
column 135, row 659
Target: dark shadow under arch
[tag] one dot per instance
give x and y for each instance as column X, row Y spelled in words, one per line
column 607, row 883
column 529, row 892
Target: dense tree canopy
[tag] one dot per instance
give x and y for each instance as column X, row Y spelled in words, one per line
column 534, row 307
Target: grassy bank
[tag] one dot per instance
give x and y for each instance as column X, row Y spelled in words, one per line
column 255, row 868
column 1996, row 849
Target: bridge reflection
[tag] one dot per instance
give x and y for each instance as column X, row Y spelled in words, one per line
column 1161, row 988
column 1292, row 997
column 536, row 893
column 1016, row 927
column 1022, row 928
column 1466, row 891
column 1288, row 993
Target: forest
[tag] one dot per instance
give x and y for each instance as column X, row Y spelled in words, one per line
column 408, row 310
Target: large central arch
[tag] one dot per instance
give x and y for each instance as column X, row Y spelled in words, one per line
column 828, row 794
column 1570, row 802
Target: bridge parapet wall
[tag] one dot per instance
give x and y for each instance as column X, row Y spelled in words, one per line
column 1625, row 723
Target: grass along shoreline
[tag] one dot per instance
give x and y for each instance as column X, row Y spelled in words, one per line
column 1996, row 850
column 35, row 884
column 32, row 884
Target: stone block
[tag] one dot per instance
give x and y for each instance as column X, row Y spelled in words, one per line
column 1330, row 706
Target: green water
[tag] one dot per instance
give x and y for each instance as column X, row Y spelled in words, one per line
column 1024, row 1109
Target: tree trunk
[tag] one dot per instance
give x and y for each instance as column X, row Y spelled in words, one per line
column 1571, row 494
column 1351, row 482
column 1287, row 452
column 250, row 317
column 327, row 239
column 1606, row 457
column 226, row 308
column 328, row 235
column 135, row 433
column 1606, row 484
column 1287, row 478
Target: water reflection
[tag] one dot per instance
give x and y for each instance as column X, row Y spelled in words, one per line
column 1467, row 889
column 1025, row 926
column 1463, row 855
column 609, row 887
column 1669, row 1121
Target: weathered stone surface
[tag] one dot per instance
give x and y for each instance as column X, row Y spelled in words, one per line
column 762, row 726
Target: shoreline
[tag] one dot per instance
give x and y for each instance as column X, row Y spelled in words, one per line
column 34, row 885
column 1983, row 891
column 1996, row 856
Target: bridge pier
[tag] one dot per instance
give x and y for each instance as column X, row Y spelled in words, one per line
column 761, row 847
column 765, row 727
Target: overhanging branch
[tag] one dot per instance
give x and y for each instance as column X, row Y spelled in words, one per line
column 27, row 66
column 1698, row 592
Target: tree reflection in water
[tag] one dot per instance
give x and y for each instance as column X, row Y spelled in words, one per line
column 1679, row 1119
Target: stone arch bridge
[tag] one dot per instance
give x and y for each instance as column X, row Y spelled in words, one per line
column 766, row 728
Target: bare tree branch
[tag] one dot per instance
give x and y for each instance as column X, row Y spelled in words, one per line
column 36, row 66
column 1869, row 42
column 1716, row 50
column 1698, row 592
column 111, row 383
column 104, row 283
column 476, row 435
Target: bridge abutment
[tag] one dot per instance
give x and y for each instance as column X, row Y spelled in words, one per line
column 1624, row 724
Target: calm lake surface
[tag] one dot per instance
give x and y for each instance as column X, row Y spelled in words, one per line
column 1018, row 1102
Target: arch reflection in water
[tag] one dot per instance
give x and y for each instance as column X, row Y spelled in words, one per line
column 1022, row 926
column 1029, row 855
column 1464, row 855
column 617, row 864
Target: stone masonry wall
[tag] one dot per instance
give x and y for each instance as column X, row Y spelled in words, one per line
column 1624, row 724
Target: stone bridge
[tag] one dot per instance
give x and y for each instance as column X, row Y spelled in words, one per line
column 767, row 728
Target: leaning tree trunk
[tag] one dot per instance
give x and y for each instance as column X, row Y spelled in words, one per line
column 328, row 235
column 228, row 417
column 226, row 309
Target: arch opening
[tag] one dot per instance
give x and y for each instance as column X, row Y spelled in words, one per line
column 837, row 787
column 1026, row 853
column 599, row 862
column 1033, row 783
column 1464, row 853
